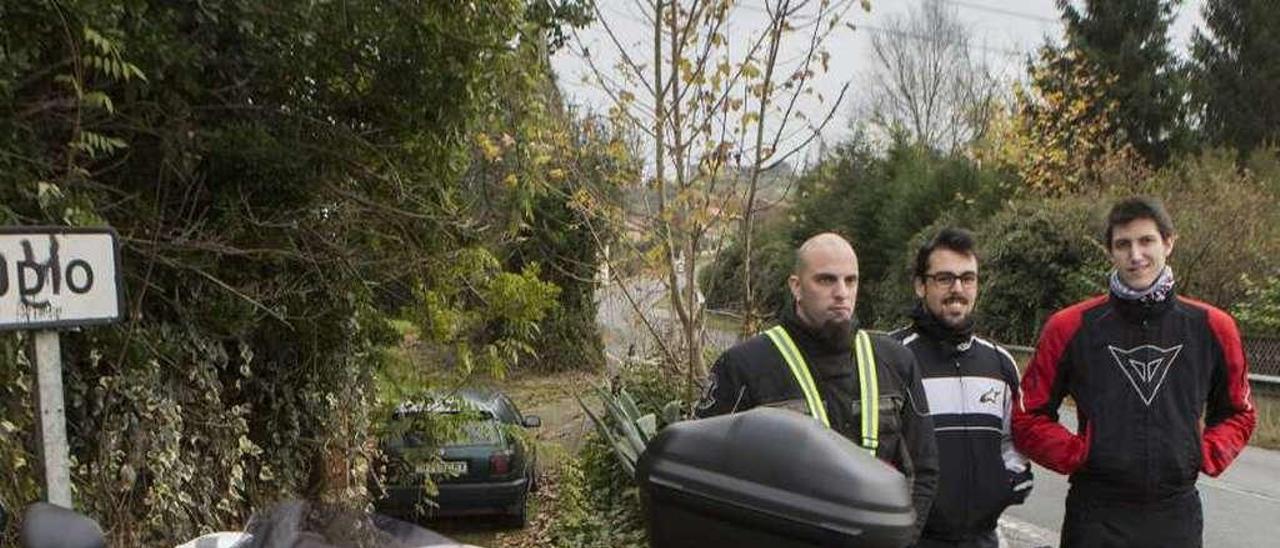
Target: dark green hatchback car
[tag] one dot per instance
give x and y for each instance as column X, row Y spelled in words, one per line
column 486, row 469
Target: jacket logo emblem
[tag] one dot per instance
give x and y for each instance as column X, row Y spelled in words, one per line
column 990, row 395
column 1146, row 367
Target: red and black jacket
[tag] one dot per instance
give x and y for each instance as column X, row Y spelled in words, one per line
column 1161, row 392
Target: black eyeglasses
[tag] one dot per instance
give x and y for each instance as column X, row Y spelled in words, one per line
column 945, row 279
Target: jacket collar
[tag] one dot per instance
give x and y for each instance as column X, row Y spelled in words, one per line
column 956, row 339
column 815, row 342
column 1142, row 310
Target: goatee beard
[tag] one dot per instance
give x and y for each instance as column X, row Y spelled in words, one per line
column 836, row 332
column 953, row 322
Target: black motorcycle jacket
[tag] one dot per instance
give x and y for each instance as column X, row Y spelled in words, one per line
column 753, row 373
column 971, row 385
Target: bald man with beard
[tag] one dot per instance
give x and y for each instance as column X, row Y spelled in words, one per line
column 820, row 334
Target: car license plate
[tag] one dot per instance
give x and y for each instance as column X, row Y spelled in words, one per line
column 445, row 468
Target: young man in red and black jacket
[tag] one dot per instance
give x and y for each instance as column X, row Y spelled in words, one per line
column 971, row 385
column 1161, row 394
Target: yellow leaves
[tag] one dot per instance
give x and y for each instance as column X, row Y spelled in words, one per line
column 654, row 257
column 685, row 70
column 490, row 151
column 720, row 73
column 723, row 68
column 689, row 196
column 1060, row 134
column 583, row 202
column 704, row 216
column 617, row 150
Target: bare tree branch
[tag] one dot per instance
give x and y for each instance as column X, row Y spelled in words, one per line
column 927, row 81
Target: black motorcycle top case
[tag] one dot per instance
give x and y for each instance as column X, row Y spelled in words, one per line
column 769, row 477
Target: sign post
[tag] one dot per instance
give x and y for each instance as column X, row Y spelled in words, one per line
column 51, row 278
column 54, row 454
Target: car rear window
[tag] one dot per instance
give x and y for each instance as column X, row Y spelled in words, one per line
column 480, row 432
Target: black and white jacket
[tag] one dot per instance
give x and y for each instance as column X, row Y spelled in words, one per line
column 971, row 388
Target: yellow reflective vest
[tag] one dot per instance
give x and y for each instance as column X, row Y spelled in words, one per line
column 868, row 383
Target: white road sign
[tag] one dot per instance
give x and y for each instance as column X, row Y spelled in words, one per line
column 58, row 277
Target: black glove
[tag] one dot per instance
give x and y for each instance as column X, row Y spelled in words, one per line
column 1020, row 484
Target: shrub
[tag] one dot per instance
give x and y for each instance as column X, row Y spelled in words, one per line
column 1228, row 222
column 1259, row 312
column 1038, row 256
column 600, row 501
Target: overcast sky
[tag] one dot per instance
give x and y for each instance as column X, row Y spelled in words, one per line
column 1005, row 31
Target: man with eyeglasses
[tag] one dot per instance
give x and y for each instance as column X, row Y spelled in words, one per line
column 817, row 362
column 971, row 384
column 1160, row 389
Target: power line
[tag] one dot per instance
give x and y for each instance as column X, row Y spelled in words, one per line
column 1002, row 11
column 913, row 36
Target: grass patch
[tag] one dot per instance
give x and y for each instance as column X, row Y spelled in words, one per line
column 1267, row 433
column 532, row 389
column 723, row 322
column 552, row 455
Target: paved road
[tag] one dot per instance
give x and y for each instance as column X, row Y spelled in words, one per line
column 623, row 330
column 1241, row 507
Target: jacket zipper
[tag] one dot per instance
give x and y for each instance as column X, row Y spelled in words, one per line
column 968, row 472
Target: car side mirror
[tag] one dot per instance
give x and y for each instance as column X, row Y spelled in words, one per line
column 769, row 478
column 48, row 525
column 532, row 421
